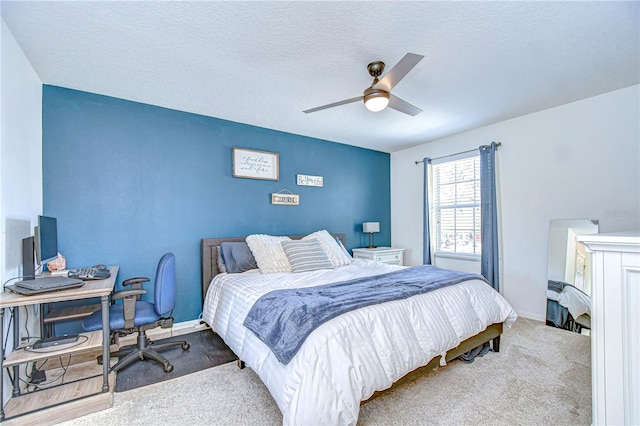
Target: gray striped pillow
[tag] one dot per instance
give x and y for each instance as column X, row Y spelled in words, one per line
column 306, row 255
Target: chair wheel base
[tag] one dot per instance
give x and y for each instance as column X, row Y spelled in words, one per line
column 145, row 350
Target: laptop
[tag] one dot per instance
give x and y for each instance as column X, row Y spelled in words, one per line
column 44, row 285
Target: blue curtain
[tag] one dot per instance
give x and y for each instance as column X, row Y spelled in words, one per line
column 426, row 239
column 489, row 215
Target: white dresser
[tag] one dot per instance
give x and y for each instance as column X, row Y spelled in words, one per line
column 615, row 327
column 392, row 256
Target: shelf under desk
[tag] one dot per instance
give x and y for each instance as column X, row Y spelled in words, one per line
column 61, row 403
column 71, row 312
column 22, row 355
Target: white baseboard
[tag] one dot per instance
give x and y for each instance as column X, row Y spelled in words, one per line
column 188, row 326
column 178, row 329
column 532, row 316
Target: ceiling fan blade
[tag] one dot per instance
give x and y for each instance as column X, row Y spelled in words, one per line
column 398, row 72
column 403, row 106
column 335, row 104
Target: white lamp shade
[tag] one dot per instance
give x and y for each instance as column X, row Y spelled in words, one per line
column 375, row 99
column 376, row 104
column 370, row 227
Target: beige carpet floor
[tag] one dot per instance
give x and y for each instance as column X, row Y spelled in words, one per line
column 541, row 376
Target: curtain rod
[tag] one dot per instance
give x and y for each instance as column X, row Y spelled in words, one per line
column 458, row 153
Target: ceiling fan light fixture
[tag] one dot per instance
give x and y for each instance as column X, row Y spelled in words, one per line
column 378, row 95
column 375, row 99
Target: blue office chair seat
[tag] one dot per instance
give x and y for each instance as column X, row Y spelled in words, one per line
column 145, row 314
column 129, row 314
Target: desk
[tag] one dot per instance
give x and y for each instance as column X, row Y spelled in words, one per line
column 91, row 289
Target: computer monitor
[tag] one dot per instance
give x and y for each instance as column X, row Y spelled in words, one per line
column 46, row 239
column 40, row 248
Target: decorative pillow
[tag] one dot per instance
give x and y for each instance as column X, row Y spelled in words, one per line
column 237, row 257
column 333, row 250
column 344, row 250
column 268, row 252
column 221, row 268
column 306, row 255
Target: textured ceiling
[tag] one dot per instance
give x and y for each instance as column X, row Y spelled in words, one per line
column 263, row 63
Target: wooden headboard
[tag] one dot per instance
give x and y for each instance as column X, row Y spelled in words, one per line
column 210, row 256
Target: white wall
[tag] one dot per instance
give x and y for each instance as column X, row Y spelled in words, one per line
column 579, row 160
column 20, row 147
column 557, row 264
column 20, row 156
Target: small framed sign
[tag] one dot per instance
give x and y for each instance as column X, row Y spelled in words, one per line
column 308, row 180
column 285, row 199
column 252, row 164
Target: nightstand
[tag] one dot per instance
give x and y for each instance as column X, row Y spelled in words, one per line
column 392, row 256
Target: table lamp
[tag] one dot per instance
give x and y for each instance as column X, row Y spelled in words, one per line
column 371, row 228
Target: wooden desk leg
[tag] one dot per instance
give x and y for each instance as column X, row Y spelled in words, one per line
column 106, row 332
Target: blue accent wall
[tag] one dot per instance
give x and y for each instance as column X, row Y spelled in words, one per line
column 129, row 182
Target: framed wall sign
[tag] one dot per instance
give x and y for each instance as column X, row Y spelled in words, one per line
column 285, row 199
column 252, row 164
column 308, row 180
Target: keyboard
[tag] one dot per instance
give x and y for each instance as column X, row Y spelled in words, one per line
column 92, row 273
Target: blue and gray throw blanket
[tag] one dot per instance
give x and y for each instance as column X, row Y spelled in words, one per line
column 283, row 319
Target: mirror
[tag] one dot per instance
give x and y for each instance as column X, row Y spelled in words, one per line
column 569, row 275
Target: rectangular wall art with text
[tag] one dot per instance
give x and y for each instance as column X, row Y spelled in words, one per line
column 252, row 164
column 307, row 180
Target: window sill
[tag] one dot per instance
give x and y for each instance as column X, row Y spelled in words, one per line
column 459, row 256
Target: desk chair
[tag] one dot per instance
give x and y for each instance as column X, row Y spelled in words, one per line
column 134, row 315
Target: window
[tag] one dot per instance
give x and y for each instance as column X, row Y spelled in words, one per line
column 456, row 203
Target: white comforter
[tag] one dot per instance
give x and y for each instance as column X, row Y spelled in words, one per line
column 575, row 301
column 348, row 358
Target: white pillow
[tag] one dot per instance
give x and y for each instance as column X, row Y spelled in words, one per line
column 268, row 252
column 337, row 256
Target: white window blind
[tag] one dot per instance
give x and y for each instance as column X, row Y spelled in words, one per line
column 456, row 204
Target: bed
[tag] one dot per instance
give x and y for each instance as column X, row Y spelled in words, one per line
column 357, row 355
column 568, row 307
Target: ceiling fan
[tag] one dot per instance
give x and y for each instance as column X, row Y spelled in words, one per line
column 378, row 96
